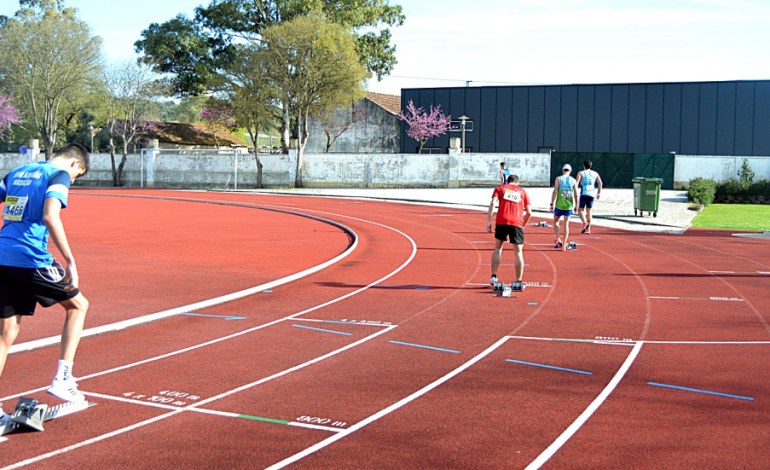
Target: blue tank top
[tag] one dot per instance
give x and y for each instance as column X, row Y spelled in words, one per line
column 24, row 236
column 588, row 184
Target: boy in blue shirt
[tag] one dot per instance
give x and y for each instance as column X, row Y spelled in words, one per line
column 33, row 196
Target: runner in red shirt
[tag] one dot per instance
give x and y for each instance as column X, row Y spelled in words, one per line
column 512, row 215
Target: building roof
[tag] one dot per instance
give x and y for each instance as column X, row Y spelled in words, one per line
column 179, row 133
column 391, row 103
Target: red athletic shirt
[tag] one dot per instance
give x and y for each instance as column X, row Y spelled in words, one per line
column 513, row 201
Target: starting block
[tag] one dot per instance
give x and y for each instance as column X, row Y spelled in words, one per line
column 572, row 246
column 31, row 414
column 542, row 223
column 505, row 290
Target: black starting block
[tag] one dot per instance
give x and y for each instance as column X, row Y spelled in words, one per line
column 572, row 246
column 505, row 290
column 31, row 414
column 542, row 223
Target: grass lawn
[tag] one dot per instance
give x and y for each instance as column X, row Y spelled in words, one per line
column 749, row 217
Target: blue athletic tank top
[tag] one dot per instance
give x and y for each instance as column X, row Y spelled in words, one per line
column 588, row 184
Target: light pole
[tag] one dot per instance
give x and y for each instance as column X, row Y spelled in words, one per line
column 463, row 118
column 91, row 131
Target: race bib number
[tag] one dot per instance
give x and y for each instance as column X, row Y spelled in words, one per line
column 589, row 188
column 566, row 194
column 14, row 208
column 513, row 196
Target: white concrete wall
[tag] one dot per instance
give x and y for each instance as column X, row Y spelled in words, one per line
column 216, row 171
column 687, row 167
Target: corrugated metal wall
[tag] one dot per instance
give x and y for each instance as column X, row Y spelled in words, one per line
column 706, row 118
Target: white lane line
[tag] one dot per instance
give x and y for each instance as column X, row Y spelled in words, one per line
column 632, row 342
column 290, row 370
column 132, row 401
column 94, row 440
column 330, row 440
column 35, row 344
column 578, row 423
column 241, row 333
column 225, row 414
column 193, row 407
column 314, row 426
column 342, row 322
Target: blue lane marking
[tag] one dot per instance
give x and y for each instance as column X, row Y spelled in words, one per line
column 426, row 347
column 267, row 291
column 532, row 303
column 226, row 317
column 325, row 331
column 550, row 367
column 700, row 391
column 402, row 287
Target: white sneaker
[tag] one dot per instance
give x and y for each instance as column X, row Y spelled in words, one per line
column 493, row 279
column 66, row 390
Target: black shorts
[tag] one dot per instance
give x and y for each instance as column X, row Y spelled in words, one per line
column 22, row 288
column 504, row 232
column 586, row 201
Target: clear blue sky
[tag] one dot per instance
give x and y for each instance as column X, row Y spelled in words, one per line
column 525, row 41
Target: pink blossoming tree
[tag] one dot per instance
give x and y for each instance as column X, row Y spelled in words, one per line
column 424, row 126
column 218, row 114
column 9, row 114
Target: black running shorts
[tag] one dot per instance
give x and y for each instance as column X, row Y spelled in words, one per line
column 586, row 201
column 22, row 288
column 504, row 232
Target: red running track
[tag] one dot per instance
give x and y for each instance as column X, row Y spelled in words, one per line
column 631, row 352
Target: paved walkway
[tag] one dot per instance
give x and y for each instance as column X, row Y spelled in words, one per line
column 614, row 209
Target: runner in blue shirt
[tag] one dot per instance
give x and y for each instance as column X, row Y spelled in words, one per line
column 33, row 196
column 590, row 184
column 505, row 172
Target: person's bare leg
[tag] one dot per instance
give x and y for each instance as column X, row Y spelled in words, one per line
column 566, row 230
column 9, row 330
column 519, row 261
column 73, row 325
column 497, row 255
column 582, row 215
column 556, row 226
column 589, row 217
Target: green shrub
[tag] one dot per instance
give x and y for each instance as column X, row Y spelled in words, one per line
column 702, row 191
column 731, row 187
column 760, row 188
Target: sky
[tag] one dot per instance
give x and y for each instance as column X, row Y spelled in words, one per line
column 446, row 43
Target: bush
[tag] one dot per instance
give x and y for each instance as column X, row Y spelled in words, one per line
column 731, row 187
column 702, row 191
column 742, row 191
column 760, row 188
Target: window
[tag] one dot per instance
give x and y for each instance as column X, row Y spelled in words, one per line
column 430, row 150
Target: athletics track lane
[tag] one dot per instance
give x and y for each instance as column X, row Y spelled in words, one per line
column 456, row 425
column 137, row 257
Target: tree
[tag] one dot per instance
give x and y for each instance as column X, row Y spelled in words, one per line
column 314, row 65
column 9, row 115
column 196, row 51
column 218, row 114
column 46, row 55
column 746, row 175
column 338, row 121
column 423, row 126
column 252, row 98
column 129, row 88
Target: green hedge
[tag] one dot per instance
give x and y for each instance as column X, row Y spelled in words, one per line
column 702, row 191
column 734, row 190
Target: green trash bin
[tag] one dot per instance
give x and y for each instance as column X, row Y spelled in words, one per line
column 646, row 195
